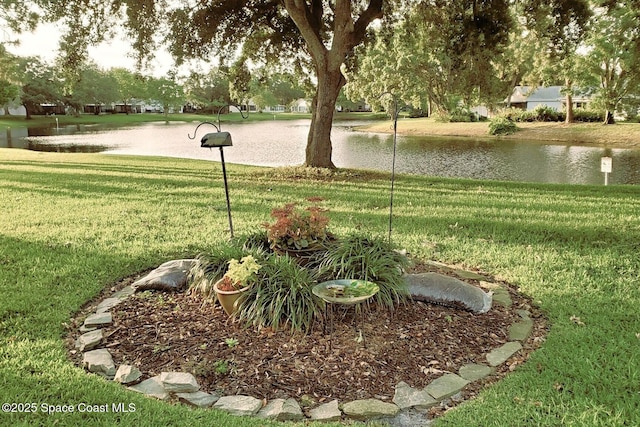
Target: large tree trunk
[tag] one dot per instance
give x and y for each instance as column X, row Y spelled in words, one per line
column 327, row 61
column 569, row 101
column 319, row 148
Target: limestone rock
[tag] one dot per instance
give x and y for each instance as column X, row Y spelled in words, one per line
column 127, row 374
column 326, row 412
column 179, row 382
column 98, row 319
column 445, row 386
column 170, row 276
column 441, row 289
column 501, row 296
column 84, row 329
column 99, row 362
column 474, row 372
column 409, row 397
column 521, row 330
column 500, row 355
column 369, row 408
column 281, row 410
column 239, row 405
column 124, row 293
column 89, row 340
column 199, row 399
column 107, row 304
column 152, row 388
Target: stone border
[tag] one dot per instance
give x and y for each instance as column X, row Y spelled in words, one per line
column 185, row 388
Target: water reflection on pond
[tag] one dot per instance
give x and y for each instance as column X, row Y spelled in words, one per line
column 280, row 143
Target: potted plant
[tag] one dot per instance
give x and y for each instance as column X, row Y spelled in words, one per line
column 239, row 277
column 298, row 231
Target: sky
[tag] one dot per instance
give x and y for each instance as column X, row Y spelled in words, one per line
column 44, row 43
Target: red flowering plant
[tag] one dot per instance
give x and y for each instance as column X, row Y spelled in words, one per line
column 298, row 228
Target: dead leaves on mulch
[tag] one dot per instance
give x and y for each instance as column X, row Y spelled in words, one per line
column 416, row 343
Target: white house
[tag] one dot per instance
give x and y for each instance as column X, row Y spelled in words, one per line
column 300, row 105
column 528, row 98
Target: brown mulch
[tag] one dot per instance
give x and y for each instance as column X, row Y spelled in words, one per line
column 361, row 356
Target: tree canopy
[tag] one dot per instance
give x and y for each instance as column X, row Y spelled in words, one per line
column 314, row 35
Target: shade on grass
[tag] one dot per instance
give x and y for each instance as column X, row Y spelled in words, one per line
column 72, row 224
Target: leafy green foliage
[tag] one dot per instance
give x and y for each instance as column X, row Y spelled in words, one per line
column 370, row 259
column 282, row 294
column 502, row 126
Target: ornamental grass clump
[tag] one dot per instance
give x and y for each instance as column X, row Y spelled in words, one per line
column 370, row 259
column 298, row 229
column 281, row 296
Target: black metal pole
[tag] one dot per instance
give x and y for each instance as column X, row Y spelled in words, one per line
column 226, row 191
column 393, row 164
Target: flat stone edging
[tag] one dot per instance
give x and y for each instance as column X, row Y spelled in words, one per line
column 184, row 387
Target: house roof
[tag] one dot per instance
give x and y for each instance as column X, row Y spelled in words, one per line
column 541, row 94
column 546, row 94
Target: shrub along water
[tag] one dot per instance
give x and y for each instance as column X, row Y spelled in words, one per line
column 73, row 224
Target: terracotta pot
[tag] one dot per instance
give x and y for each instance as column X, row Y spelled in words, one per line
column 228, row 299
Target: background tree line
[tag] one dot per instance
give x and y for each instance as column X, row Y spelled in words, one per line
column 443, row 56
column 30, row 82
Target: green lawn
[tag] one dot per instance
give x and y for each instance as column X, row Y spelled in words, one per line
column 72, row 224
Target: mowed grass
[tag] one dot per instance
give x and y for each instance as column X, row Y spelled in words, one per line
column 73, row 224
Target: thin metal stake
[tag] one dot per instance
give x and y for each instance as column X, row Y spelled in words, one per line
column 226, row 191
column 393, row 167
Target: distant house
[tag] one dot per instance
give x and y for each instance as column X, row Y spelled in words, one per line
column 359, row 106
column 528, row 98
column 300, row 105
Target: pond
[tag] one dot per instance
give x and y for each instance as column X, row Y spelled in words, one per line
column 282, row 143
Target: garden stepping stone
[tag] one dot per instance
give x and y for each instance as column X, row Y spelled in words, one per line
column 98, row 319
column 83, row 329
column 282, row 410
column 170, row 276
column 446, row 386
column 523, row 313
column 179, row 382
column 409, row 397
column 501, row 296
column 89, row 340
column 127, row 374
column 521, row 330
column 124, row 293
column 369, row 408
column 501, row 354
column 99, row 362
column 474, row 371
column 239, row 405
column 469, row 275
column 151, row 387
column 440, row 289
column 326, row 412
column 107, row 304
column 198, row 399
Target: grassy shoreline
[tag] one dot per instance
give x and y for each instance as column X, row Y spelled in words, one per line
column 619, row 135
column 76, row 223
